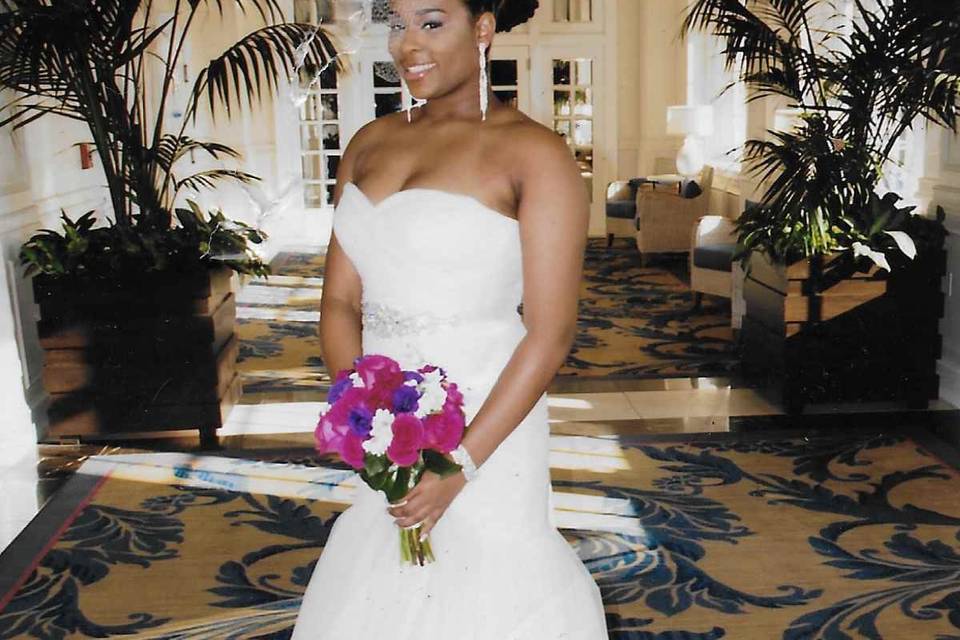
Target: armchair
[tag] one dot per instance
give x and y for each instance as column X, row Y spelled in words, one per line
column 711, row 257
column 665, row 219
column 621, row 207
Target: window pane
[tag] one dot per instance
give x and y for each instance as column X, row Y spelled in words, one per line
column 333, row 162
column 561, row 103
column 563, row 128
column 331, row 136
column 509, row 98
column 308, row 110
column 503, row 72
column 561, row 72
column 583, row 101
column 309, row 137
column 328, row 77
column 329, row 110
column 385, row 75
column 313, row 167
column 387, row 103
column 572, row 10
column 583, row 133
column 329, row 189
column 584, row 68
column 313, row 195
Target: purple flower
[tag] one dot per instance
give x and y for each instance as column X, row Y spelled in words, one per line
column 338, row 388
column 360, row 420
column 412, row 375
column 405, row 399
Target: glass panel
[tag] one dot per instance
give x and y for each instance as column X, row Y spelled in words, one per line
column 563, row 128
column 584, row 69
column 313, row 167
column 308, row 110
column 332, row 163
column 561, row 103
column 572, row 10
column 313, row 195
column 331, row 136
column 329, row 189
column 329, row 106
column 503, row 72
column 387, row 103
column 561, row 72
column 583, row 102
column 508, row 98
column 309, row 137
column 385, row 75
column 583, row 133
column 328, row 77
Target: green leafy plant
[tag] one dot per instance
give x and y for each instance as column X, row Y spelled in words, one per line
column 859, row 73
column 95, row 61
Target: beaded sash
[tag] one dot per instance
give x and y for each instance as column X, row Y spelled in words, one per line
column 388, row 321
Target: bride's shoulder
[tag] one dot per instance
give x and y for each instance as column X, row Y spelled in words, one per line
column 532, row 144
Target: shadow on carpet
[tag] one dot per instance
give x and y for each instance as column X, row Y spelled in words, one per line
column 821, row 537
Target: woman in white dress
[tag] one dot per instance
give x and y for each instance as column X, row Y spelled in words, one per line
column 448, row 216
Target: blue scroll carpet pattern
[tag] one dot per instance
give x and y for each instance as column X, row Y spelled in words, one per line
column 634, row 322
column 827, row 537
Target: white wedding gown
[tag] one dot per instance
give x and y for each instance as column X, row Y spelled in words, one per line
column 442, row 280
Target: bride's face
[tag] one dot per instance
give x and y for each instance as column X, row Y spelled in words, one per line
column 433, row 44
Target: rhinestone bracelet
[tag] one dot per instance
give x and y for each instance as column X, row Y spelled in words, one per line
column 462, row 457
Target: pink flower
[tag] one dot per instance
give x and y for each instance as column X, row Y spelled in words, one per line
column 443, row 431
column 332, row 428
column 351, row 450
column 381, row 376
column 404, row 450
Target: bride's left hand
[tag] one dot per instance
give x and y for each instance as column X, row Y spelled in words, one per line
column 428, row 501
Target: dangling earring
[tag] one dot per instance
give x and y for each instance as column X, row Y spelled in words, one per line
column 483, row 83
column 406, row 101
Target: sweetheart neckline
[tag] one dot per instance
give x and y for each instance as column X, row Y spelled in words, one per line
column 451, row 194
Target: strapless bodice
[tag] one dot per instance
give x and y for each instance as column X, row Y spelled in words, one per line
column 426, row 251
column 441, row 278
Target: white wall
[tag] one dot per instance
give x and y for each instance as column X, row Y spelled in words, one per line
column 941, row 186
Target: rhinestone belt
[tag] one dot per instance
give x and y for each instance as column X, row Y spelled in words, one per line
column 388, row 321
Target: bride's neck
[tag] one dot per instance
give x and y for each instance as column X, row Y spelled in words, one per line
column 456, row 106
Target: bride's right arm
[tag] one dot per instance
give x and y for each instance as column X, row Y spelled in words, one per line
column 340, row 301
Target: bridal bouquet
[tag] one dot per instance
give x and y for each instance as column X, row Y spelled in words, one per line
column 392, row 425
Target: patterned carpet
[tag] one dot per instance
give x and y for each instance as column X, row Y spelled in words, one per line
column 819, row 538
column 635, row 322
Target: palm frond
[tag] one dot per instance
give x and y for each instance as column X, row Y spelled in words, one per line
column 257, row 60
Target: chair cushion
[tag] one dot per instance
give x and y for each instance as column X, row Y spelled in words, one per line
column 716, row 257
column 626, row 209
column 690, row 189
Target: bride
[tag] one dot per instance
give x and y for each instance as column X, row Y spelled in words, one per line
column 447, row 217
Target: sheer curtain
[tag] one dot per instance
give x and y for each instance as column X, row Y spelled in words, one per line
column 708, row 82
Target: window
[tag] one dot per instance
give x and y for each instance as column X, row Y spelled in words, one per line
column 573, row 110
column 387, row 92
column 319, row 135
column 707, row 84
column 504, row 81
column 572, row 10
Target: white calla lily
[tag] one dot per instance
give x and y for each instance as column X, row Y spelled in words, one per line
column 879, row 259
column 905, row 243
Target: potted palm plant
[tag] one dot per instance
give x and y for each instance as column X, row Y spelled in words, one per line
column 137, row 311
column 843, row 287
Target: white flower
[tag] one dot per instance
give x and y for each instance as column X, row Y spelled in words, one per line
column 432, row 394
column 904, row 242
column 879, row 259
column 381, row 435
column 357, row 380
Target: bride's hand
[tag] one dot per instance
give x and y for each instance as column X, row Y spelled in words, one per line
column 427, row 501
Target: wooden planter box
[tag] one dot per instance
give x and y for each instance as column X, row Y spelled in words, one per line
column 157, row 355
column 825, row 334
